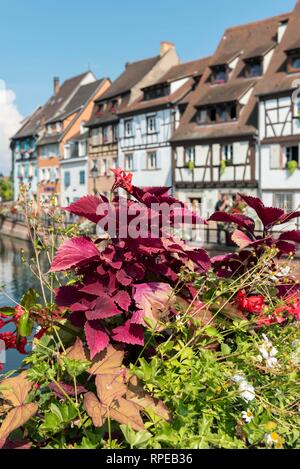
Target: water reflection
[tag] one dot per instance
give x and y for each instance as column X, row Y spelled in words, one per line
column 16, row 279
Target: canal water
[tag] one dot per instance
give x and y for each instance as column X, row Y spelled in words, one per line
column 15, row 279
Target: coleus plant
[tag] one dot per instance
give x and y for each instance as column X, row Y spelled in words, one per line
column 126, row 283
column 251, row 244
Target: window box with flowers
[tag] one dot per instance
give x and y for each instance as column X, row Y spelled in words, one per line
column 291, row 166
column 223, row 166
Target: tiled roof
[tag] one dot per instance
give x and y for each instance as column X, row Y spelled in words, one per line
column 81, row 97
column 50, row 108
column 225, row 93
column 240, row 42
column 187, row 69
column 277, row 80
column 132, row 74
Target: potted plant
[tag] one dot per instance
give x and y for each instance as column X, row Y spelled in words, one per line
column 223, row 166
column 190, row 165
column 292, row 166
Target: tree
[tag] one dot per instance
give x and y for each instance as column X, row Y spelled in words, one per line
column 6, row 189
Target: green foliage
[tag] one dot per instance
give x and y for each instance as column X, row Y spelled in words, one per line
column 197, row 384
column 292, row 166
column 6, row 189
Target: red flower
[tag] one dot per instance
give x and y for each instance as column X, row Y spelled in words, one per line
column 122, row 180
column 9, row 339
column 19, row 311
column 40, row 333
column 251, row 304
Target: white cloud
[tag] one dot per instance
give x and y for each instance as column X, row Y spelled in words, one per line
column 10, row 119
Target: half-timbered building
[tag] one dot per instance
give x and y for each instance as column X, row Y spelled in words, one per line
column 105, row 123
column 147, row 125
column 215, row 146
column 279, row 118
column 64, row 125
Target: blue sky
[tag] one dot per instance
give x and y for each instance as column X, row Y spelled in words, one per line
column 40, row 39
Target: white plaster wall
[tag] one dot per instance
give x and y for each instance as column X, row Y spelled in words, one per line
column 141, row 143
column 278, row 179
column 75, row 190
column 240, row 151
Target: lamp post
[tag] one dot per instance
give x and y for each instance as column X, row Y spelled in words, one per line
column 94, row 172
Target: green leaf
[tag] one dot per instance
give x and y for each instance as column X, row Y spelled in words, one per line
column 225, row 349
column 7, row 311
column 135, row 439
column 211, row 331
column 29, row 299
column 25, row 325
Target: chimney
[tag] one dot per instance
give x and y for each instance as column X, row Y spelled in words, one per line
column 165, row 46
column 56, row 85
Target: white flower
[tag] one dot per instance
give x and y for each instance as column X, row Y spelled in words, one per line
column 273, row 439
column 282, row 273
column 268, row 352
column 247, row 391
column 247, row 416
column 238, row 378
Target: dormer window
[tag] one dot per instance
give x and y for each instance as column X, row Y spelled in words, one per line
column 100, row 109
column 114, row 105
column 219, row 74
column 293, row 62
column 296, row 62
column 253, row 67
column 155, row 92
column 218, row 113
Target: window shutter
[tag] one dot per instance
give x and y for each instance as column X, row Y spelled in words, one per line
column 275, row 157
column 135, row 162
column 158, row 160
column 144, row 161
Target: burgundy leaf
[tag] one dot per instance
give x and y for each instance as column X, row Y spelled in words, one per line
column 241, row 239
column 122, row 299
column 136, row 271
column 95, row 288
column 291, row 236
column 288, row 216
column 73, row 253
column 70, row 390
column 285, row 247
column 96, row 337
column 153, row 299
column 268, row 215
column 240, row 220
column 105, row 308
column 67, row 295
column 129, row 334
column 78, row 319
column 123, row 278
column 87, row 207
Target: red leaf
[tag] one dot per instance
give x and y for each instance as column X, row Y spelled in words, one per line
column 291, row 236
column 241, row 239
column 268, row 215
column 105, row 308
column 129, row 334
column 153, row 299
column 123, row 278
column 96, row 337
column 240, row 220
column 70, row 390
column 122, row 299
column 74, row 253
column 87, row 207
